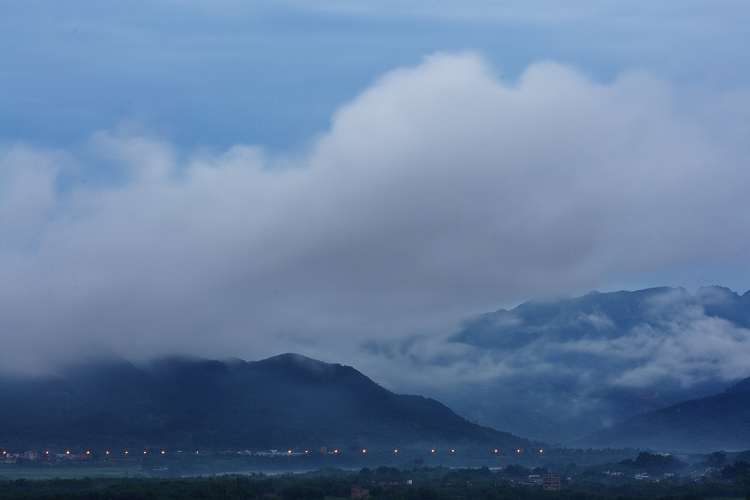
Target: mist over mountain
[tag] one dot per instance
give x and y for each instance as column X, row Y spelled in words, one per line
column 288, row 401
column 559, row 370
column 553, row 371
column 718, row 422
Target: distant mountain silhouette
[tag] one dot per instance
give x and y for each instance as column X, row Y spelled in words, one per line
column 565, row 368
column 718, row 422
column 284, row 401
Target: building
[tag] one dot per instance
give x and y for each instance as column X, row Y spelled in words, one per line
column 360, row 492
column 551, row 482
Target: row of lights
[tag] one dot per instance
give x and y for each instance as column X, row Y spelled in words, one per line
column 290, row 451
column 394, row 451
column 126, row 452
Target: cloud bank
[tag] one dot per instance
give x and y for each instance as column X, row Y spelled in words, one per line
column 440, row 192
column 658, row 338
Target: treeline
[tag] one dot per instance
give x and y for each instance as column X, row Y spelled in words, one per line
column 382, row 483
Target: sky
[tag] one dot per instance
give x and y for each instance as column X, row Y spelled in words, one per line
column 249, row 178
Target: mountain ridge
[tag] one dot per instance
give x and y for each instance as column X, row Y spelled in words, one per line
column 717, row 422
column 284, row 401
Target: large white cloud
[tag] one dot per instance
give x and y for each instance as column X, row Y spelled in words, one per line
column 439, row 192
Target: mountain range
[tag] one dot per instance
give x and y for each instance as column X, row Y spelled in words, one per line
column 559, row 370
column 288, row 401
column 646, row 369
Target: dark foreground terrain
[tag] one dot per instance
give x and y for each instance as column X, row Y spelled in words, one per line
column 665, row 477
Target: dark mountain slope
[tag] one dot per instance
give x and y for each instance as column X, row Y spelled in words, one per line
column 281, row 402
column 719, row 422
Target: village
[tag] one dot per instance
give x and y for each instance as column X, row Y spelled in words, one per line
column 514, row 475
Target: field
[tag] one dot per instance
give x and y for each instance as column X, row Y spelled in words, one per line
column 67, row 472
column 383, row 483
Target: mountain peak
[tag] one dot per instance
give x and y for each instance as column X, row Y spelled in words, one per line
column 298, row 360
column 284, row 401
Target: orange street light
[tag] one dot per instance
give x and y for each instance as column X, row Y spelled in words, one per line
column 364, row 451
column 162, row 452
column 335, row 451
column 433, row 451
column 540, row 451
column 518, row 451
column 395, row 451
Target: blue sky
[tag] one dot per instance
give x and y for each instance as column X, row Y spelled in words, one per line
column 273, row 73
column 249, row 178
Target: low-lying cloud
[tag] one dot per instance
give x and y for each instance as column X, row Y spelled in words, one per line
column 439, row 192
column 557, row 370
column 659, row 338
